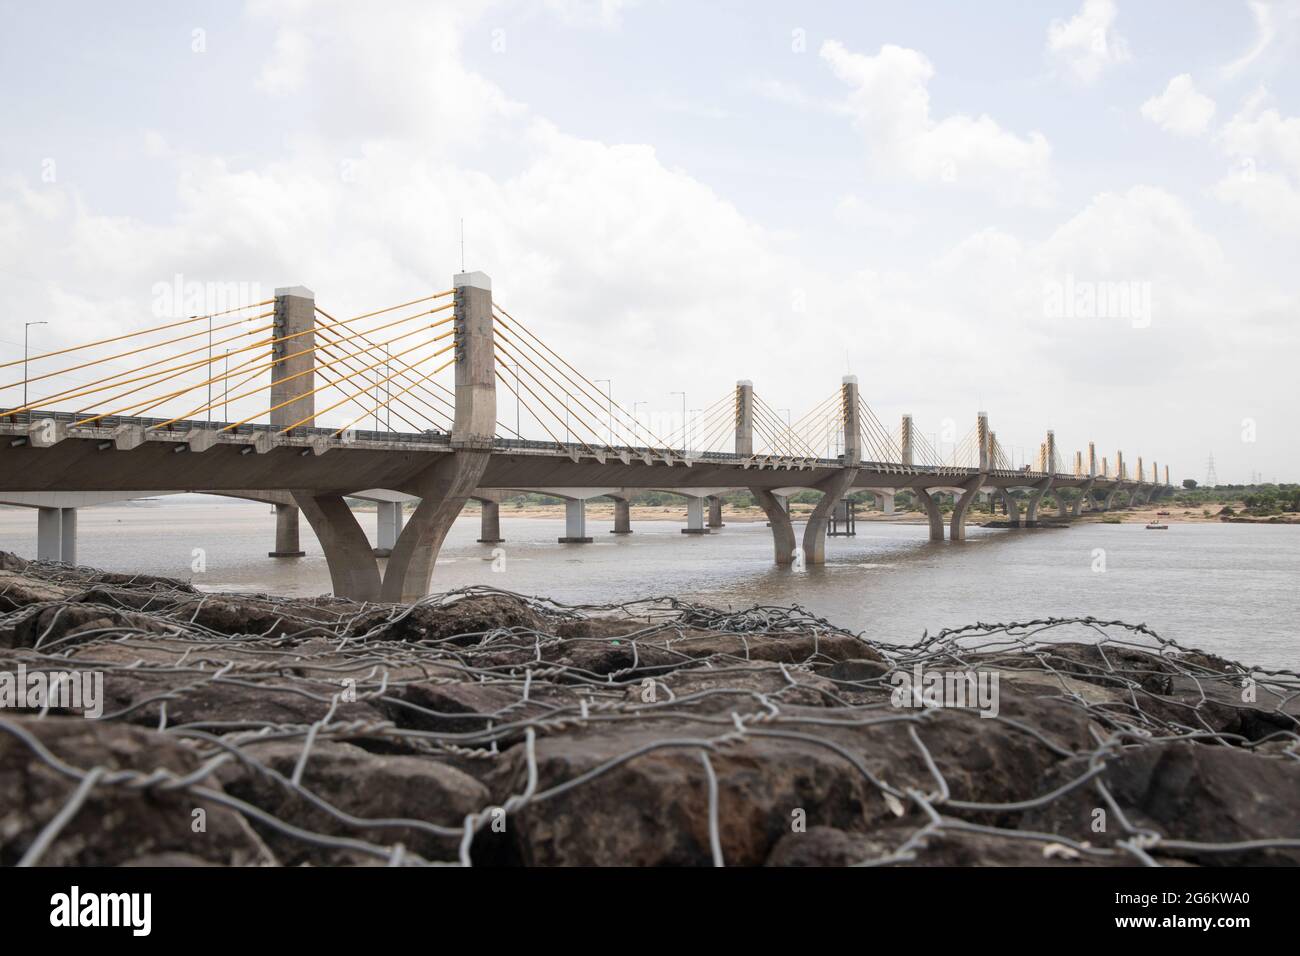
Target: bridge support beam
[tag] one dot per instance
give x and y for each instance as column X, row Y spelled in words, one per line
column 885, row 500
column 814, row 532
column 622, row 516
column 490, row 523
column 776, row 507
column 1035, row 499
column 56, row 535
column 1062, row 506
column 695, row 517
column 353, row 571
column 287, row 543
column 933, row 512
column 1110, row 498
column 388, row 526
column 68, row 535
column 960, row 506
column 575, row 522
column 1084, row 494
column 715, row 512
column 1011, row 507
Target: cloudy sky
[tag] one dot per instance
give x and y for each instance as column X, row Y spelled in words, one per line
column 945, row 199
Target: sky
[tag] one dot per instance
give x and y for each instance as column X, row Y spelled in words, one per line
column 1080, row 215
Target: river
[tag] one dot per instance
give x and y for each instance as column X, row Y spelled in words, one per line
column 1226, row 588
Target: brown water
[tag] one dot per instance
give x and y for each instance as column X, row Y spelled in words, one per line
column 1229, row 588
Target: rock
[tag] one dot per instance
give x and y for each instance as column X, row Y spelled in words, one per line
column 361, row 784
column 59, row 626
column 461, row 622
column 18, row 590
column 1183, row 791
column 116, row 824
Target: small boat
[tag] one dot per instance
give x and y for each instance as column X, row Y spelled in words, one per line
column 1157, row 527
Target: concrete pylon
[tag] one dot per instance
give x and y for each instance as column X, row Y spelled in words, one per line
column 49, row 534
column 745, row 418
column 1105, row 467
column 852, row 422
column 776, row 507
column 960, row 506
column 287, row 542
column 1011, row 507
column 575, row 522
column 622, row 516
column 1049, row 453
column 985, row 440
column 293, row 376
column 1035, row 499
column 694, row 516
column 388, row 526
column 1166, row 476
column 933, row 512
column 1078, row 464
column 833, row 490
column 490, row 523
column 905, row 440
column 1092, row 460
column 68, row 535
column 715, row 512
column 1140, row 474
column 1119, row 466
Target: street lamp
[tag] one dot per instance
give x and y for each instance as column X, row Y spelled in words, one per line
column 26, row 326
column 683, row 395
column 609, row 407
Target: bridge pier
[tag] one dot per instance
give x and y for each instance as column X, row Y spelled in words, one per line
column 287, row 543
column 622, row 516
column 575, row 522
column 933, row 512
column 56, row 535
column 961, row 505
column 388, row 522
column 1035, row 499
column 490, row 523
column 776, row 507
column 695, row 517
column 1062, row 507
column 1084, row 494
column 353, row 571
column 885, row 500
column 814, row 532
column 1010, row 505
column 715, row 512
column 1110, row 498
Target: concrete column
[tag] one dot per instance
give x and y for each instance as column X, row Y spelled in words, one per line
column 622, row 516
column 476, row 390
column 960, row 506
column 852, row 425
column 745, row 418
column 49, row 534
column 575, row 522
column 1105, row 467
column 1166, row 475
column 1050, row 453
column 1011, row 506
column 1139, row 474
column 388, row 520
column 1078, row 464
column 1035, row 499
column 932, row 512
column 293, row 375
column 886, row 501
column 286, row 533
column 905, row 438
column 833, row 491
column 695, row 517
column 68, row 536
column 984, row 437
column 1110, row 498
column 776, row 507
column 1119, row 466
column 1062, row 509
column 353, row 571
column 1077, row 508
column 490, row 523
column 1092, row 460
column 715, row 512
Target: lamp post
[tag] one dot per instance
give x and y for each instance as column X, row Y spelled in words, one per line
column 683, row 395
column 609, row 408
column 26, row 326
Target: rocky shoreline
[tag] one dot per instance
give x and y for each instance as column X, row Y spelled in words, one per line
column 483, row 727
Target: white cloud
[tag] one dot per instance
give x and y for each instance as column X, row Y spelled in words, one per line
column 1088, row 42
column 890, row 104
column 1265, row 148
column 1180, row 109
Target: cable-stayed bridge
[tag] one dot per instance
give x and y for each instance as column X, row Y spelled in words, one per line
column 418, row 398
